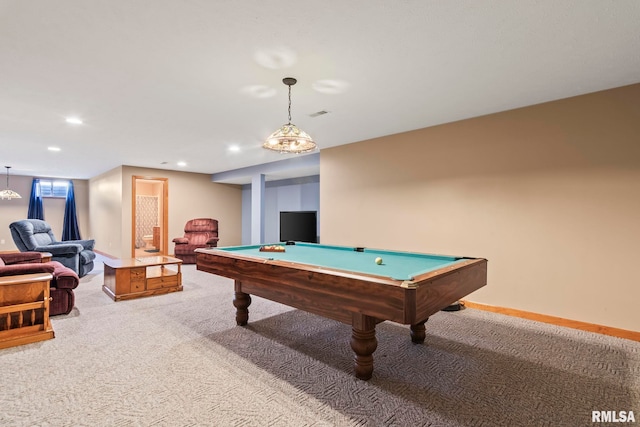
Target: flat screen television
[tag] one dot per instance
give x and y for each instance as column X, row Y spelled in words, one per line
column 298, row 226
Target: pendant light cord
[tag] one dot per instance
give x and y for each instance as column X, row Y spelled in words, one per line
column 289, row 104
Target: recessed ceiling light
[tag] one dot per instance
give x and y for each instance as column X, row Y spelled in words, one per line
column 234, row 148
column 259, row 91
column 331, row 87
column 182, row 164
column 53, row 148
column 74, row 120
column 276, row 58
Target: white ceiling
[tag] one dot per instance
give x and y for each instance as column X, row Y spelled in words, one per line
column 182, row 80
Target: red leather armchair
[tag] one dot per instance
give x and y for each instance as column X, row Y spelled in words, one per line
column 198, row 233
column 64, row 281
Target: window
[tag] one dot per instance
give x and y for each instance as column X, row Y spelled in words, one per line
column 58, row 188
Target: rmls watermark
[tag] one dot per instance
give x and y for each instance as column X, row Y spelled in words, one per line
column 613, row 417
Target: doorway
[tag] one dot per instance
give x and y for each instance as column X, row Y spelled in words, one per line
column 149, row 216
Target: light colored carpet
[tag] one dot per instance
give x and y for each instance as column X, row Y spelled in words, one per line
column 180, row 360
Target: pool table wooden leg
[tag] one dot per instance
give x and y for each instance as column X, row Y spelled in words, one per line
column 363, row 343
column 241, row 302
column 418, row 333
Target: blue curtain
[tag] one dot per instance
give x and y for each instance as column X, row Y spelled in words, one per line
column 70, row 229
column 36, row 210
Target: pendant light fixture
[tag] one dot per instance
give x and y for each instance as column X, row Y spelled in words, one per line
column 6, row 193
column 290, row 139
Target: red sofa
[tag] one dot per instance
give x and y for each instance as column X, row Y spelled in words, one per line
column 64, row 281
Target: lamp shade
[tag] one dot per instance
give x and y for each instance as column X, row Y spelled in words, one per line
column 290, row 139
column 9, row 194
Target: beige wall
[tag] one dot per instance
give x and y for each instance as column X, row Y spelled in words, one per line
column 549, row 194
column 17, row 209
column 106, row 212
column 191, row 195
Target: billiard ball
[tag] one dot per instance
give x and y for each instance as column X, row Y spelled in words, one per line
column 378, row 260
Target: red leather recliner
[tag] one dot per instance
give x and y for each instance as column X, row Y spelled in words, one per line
column 198, row 233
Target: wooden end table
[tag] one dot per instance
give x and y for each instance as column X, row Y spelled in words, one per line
column 24, row 309
column 141, row 277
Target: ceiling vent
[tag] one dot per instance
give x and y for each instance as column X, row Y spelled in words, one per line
column 319, row 113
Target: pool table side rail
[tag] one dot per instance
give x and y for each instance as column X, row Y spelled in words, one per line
column 441, row 288
column 322, row 291
column 409, row 283
column 313, row 290
column 368, row 250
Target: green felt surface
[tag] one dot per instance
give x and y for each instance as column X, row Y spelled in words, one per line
column 397, row 265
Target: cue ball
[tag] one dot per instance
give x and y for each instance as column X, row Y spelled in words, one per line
column 378, row 260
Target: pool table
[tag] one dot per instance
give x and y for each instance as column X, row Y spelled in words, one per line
column 348, row 285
